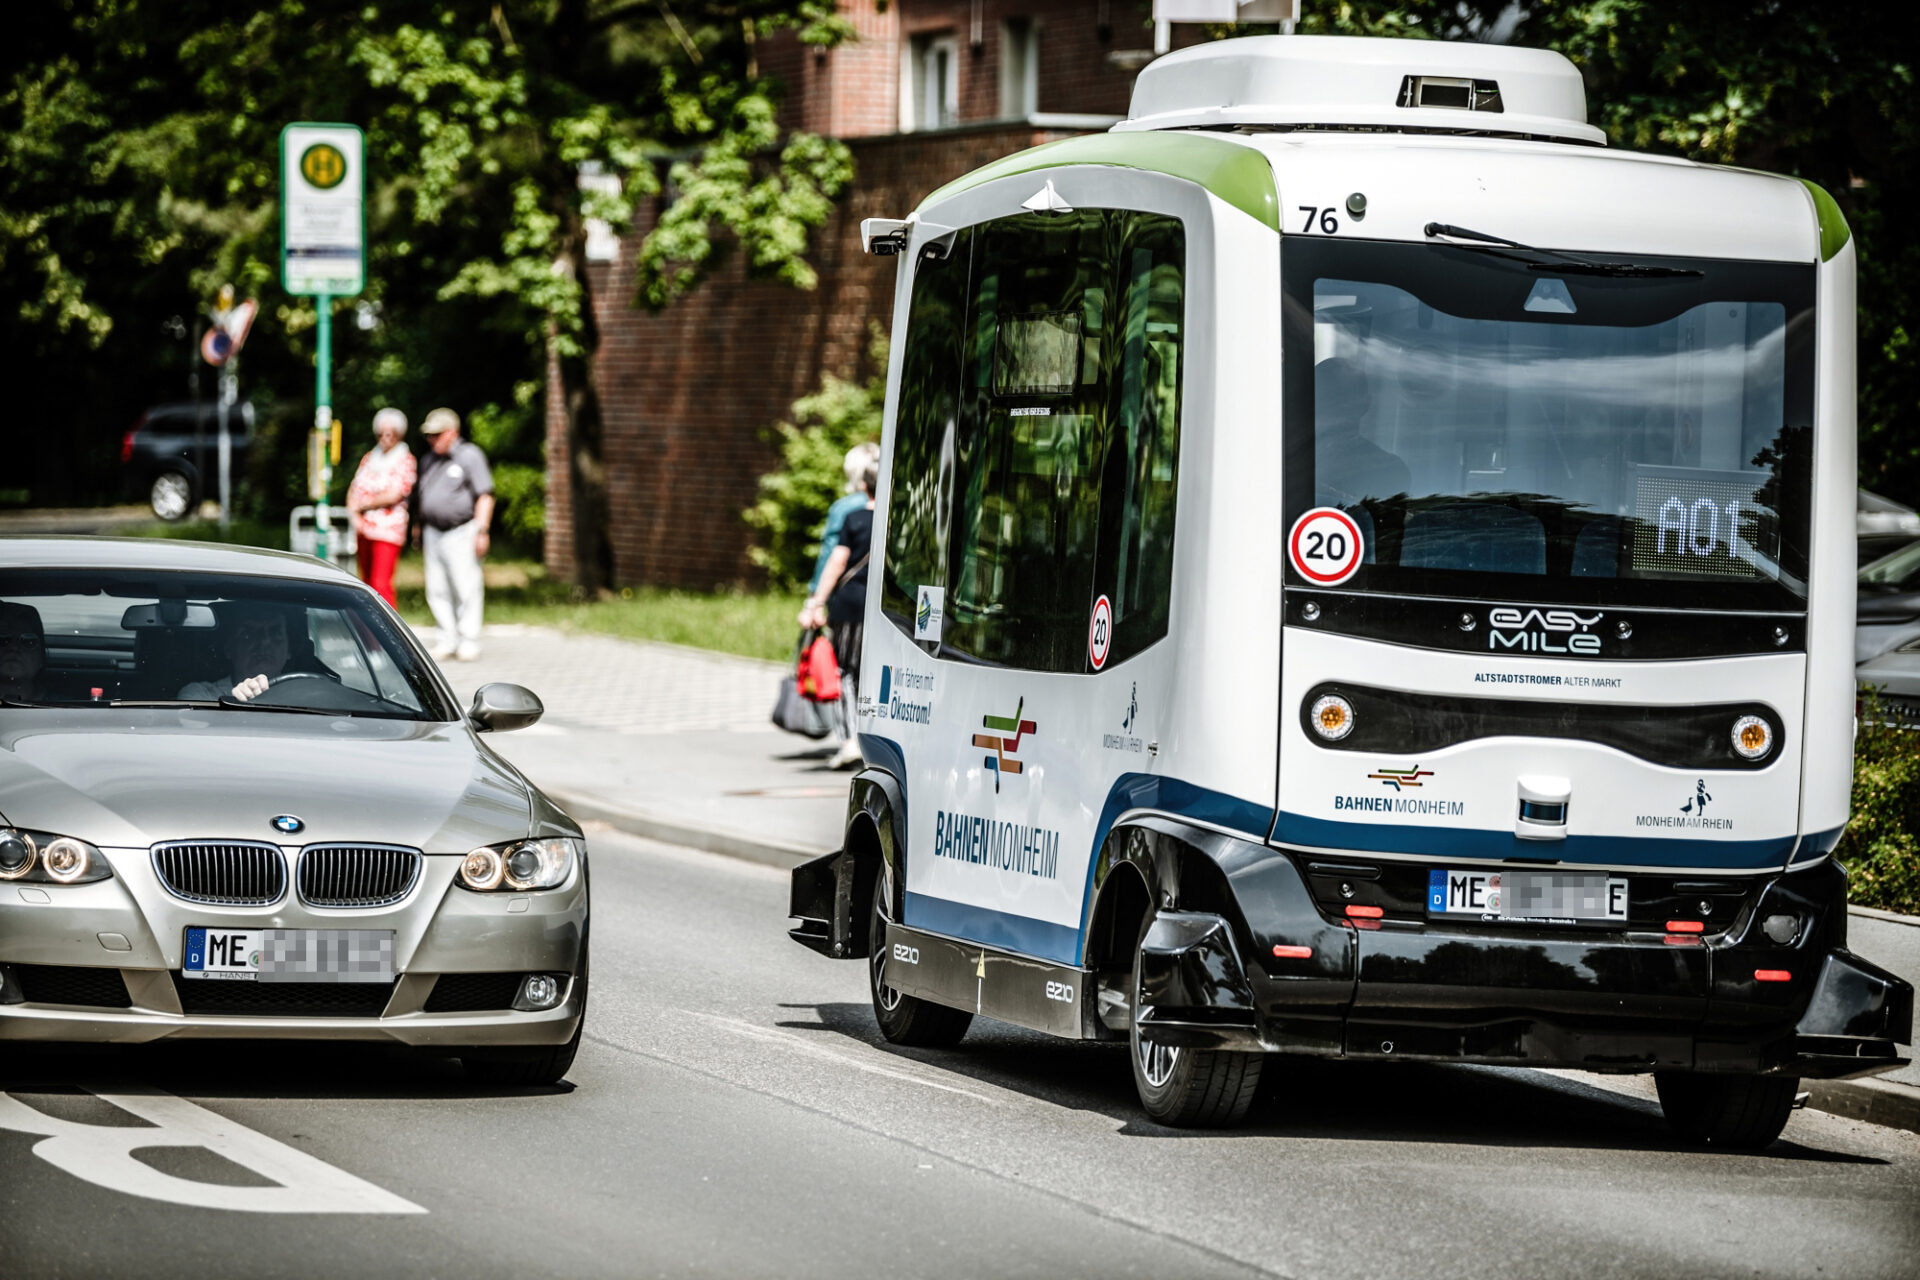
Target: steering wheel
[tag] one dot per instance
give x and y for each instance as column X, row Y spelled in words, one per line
column 295, row 675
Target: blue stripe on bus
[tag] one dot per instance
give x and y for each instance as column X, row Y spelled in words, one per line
column 1464, row 843
column 1000, row 929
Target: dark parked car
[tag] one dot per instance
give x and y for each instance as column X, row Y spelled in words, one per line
column 172, row 454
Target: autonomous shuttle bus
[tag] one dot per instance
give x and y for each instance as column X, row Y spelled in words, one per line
column 1364, row 570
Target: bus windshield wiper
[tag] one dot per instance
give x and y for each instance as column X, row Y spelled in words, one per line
column 1565, row 263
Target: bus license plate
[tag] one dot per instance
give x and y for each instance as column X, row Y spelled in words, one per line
column 289, row 955
column 1526, row 895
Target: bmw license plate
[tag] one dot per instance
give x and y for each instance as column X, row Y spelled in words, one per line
column 289, row 955
column 1526, row 895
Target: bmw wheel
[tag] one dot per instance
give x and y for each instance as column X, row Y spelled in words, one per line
column 1184, row 1087
column 905, row 1019
column 171, row 495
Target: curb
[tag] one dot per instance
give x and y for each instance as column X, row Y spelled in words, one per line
column 1891, row 917
column 649, row 826
column 1878, row 1102
column 1897, row 1106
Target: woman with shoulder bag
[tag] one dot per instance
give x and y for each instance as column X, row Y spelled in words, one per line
column 840, row 605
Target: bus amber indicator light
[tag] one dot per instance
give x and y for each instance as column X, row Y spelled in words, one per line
column 1752, row 737
column 1332, row 717
column 1772, row 975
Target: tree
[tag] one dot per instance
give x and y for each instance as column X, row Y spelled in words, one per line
column 141, row 172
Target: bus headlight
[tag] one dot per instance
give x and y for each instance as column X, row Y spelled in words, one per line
column 1752, row 737
column 1331, row 717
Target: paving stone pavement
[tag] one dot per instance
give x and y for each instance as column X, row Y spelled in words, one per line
column 626, row 686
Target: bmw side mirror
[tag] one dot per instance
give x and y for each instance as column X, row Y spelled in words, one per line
column 499, row 708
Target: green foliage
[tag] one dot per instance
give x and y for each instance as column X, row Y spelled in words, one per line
column 791, row 512
column 139, row 172
column 521, row 492
column 1881, row 847
column 752, row 624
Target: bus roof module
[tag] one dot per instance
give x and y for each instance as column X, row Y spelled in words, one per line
column 1364, row 570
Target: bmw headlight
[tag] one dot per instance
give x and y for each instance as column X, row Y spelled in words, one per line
column 521, row 865
column 42, row 857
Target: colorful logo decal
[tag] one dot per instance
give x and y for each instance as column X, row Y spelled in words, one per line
column 1398, row 778
column 1003, row 748
column 929, row 612
column 287, row 823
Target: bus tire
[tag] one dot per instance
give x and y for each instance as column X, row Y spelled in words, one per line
column 1741, row 1113
column 1186, row 1088
column 906, row 1019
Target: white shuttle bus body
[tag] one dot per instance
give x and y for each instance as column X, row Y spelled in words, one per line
column 1361, row 569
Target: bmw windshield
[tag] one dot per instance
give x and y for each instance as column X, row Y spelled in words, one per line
column 1501, row 426
column 231, row 642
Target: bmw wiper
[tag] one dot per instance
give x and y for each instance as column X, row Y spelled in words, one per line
column 1564, row 263
column 162, row 702
column 232, row 703
column 15, row 702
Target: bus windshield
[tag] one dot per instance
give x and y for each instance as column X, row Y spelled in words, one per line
column 1500, row 429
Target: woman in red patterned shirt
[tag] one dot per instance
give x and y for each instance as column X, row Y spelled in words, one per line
column 377, row 500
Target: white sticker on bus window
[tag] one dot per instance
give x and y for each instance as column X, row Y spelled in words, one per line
column 929, row 611
column 1325, row 546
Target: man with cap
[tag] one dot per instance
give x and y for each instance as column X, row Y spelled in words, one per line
column 456, row 508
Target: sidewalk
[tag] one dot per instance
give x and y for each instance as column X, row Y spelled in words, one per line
column 674, row 744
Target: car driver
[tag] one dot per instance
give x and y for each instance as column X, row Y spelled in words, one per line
column 255, row 639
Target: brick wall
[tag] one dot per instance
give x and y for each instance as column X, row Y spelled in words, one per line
column 686, row 395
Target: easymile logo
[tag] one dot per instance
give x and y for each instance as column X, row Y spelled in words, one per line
column 906, row 954
column 1560, row 631
column 1061, row 991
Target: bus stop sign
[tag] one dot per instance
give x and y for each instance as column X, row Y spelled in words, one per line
column 322, row 209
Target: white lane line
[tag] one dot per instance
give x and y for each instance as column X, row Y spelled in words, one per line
column 103, row 1155
column 799, row 1044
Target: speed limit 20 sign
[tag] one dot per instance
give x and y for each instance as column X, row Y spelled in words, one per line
column 1325, row 546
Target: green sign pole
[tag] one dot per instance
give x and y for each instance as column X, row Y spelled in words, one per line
column 323, row 427
column 323, row 238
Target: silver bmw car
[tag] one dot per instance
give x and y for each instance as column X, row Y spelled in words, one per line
column 238, row 800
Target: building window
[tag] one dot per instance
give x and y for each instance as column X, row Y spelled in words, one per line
column 930, row 84
column 1019, row 68
column 1037, row 436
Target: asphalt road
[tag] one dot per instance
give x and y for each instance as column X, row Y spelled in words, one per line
column 733, row 1113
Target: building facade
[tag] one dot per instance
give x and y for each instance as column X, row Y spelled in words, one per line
column 929, row 90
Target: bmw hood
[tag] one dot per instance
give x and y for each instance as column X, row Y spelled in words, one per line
column 129, row 778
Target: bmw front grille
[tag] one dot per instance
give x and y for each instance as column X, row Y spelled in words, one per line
column 357, row 875
column 228, row 874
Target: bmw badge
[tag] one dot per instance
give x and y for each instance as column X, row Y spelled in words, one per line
column 287, row 823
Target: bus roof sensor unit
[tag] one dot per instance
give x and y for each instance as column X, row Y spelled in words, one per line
column 1359, row 83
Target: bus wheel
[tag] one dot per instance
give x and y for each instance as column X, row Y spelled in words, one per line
column 906, row 1019
column 1743, row 1113
column 1188, row 1088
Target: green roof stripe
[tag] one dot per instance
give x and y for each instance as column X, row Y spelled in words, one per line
column 1834, row 232
column 1239, row 175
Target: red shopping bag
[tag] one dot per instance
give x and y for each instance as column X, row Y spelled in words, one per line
column 818, row 674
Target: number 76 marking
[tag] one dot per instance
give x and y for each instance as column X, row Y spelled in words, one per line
column 1328, row 224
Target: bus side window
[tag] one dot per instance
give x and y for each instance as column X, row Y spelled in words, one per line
column 921, row 486
column 1134, row 569
column 1066, row 453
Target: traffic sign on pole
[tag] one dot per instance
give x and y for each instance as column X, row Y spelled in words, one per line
column 323, row 229
column 323, row 243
